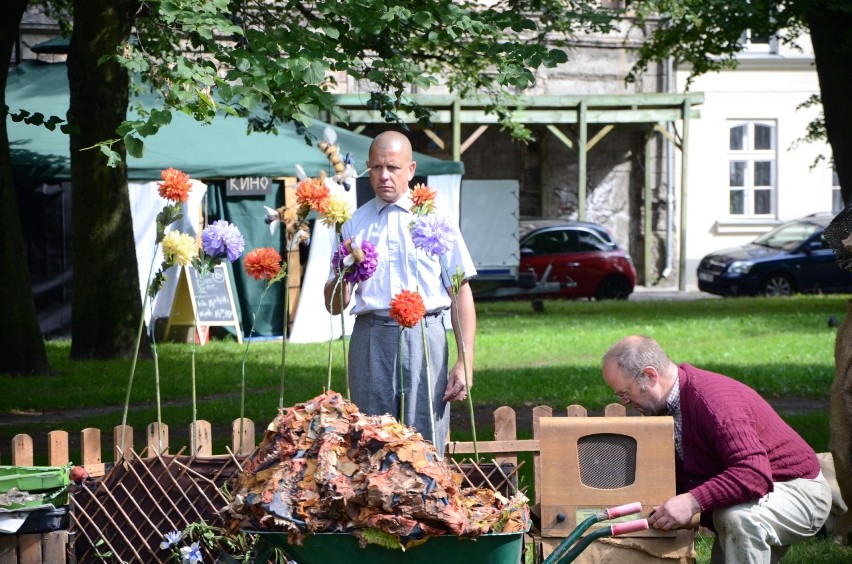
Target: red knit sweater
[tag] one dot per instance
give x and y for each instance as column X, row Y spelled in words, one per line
column 734, row 444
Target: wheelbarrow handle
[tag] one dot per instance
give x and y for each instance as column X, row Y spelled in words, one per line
column 611, row 513
column 611, row 531
column 622, row 510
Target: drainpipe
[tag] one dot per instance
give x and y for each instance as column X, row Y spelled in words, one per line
column 670, row 163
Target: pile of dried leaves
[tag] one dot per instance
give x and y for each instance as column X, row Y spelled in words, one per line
column 325, row 467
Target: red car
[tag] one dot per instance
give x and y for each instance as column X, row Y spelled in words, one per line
column 582, row 257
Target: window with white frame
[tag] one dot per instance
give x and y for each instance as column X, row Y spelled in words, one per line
column 751, row 169
column 756, row 43
column 836, row 196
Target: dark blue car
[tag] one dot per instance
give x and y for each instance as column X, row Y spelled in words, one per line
column 792, row 258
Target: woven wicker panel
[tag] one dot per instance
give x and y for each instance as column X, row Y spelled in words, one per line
column 139, row 500
column 501, row 478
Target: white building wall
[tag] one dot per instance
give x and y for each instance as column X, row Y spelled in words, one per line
column 767, row 88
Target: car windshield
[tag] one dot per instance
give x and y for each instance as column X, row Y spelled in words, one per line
column 788, row 236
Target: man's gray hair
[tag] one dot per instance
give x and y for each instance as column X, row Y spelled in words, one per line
column 634, row 353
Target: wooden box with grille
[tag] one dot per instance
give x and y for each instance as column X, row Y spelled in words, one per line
column 592, row 463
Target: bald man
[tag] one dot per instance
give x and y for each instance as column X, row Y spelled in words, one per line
column 756, row 482
column 374, row 352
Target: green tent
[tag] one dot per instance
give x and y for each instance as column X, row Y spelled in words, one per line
column 210, row 153
column 222, row 149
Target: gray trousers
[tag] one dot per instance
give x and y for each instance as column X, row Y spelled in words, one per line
column 760, row 531
column 374, row 373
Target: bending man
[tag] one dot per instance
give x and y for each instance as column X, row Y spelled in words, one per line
column 756, row 482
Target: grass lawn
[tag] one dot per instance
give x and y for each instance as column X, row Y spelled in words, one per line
column 783, row 348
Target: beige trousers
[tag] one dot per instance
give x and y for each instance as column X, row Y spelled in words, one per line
column 762, row 530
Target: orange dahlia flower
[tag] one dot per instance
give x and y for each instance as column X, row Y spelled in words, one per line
column 175, row 185
column 263, row 263
column 313, row 194
column 423, row 198
column 407, row 308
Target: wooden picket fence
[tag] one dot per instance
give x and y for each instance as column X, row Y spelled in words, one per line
column 502, row 451
column 54, row 546
column 157, row 441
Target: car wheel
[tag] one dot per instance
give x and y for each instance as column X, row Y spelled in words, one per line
column 614, row 288
column 777, row 285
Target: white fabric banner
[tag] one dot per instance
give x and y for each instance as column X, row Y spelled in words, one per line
column 146, row 203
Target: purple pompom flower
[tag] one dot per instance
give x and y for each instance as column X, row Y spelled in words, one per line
column 221, row 238
column 432, row 233
column 357, row 264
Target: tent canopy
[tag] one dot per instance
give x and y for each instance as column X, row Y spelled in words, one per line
column 222, row 149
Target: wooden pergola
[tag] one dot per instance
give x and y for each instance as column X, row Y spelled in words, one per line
column 651, row 111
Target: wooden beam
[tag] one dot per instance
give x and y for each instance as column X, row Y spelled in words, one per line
column 582, row 115
column 434, row 137
column 665, row 132
column 567, row 115
column 648, row 210
column 684, row 157
column 598, row 136
column 650, row 99
column 561, row 136
column 457, row 120
column 521, row 445
column 473, row 137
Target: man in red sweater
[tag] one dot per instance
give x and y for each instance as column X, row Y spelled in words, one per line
column 754, row 480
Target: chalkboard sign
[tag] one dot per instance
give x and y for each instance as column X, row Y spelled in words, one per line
column 203, row 302
column 214, row 303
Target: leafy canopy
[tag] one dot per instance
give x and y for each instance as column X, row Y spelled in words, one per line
column 278, row 61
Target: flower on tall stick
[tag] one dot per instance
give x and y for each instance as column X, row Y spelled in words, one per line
column 433, row 233
column 407, row 309
column 263, row 264
column 312, row 195
column 220, row 240
column 423, row 198
column 354, row 261
column 175, row 189
column 457, row 281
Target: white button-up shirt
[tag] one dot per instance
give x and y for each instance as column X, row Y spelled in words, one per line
column 402, row 266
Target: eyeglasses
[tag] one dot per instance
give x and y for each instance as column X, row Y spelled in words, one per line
column 623, row 394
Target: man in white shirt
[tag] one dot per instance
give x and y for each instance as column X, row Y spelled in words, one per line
column 374, row 353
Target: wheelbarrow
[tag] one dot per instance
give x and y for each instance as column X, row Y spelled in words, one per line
column 571, row 547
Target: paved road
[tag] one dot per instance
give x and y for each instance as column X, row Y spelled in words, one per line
column 641, row 293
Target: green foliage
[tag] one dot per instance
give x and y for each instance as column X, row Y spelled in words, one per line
column 275, row 62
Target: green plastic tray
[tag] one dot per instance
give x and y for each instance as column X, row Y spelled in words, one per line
column 323, row 548
column 33, row 478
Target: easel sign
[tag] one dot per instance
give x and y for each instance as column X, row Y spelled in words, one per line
column 204, row 302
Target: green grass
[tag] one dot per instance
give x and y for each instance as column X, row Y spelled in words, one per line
column 781, row 347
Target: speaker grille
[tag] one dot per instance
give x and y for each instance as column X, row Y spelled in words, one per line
column 607, row 460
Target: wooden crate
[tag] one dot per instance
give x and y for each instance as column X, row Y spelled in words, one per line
column 35, row 548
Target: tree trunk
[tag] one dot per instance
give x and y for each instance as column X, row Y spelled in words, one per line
column 833, row 55
column 106, row 305
column 840, row 420
column 21, row 341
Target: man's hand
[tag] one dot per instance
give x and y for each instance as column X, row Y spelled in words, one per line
column 456, row 387
column 674, row 513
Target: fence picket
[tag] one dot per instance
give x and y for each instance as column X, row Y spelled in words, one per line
column 22, row 450
column 157, row 439
column 247, row 444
